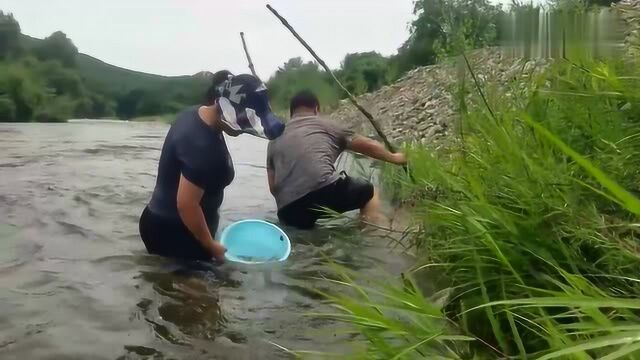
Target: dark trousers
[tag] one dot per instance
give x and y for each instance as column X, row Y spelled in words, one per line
column 170, row 237
column 345, row 194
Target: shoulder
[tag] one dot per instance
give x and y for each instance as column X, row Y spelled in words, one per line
column 190, row 128
column 314, row 121
column 327, row 121
column 182, row 127
column 197, row 142
column 333, row 125
column 184, row 116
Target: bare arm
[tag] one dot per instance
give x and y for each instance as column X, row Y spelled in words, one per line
column 376, row 150
column 188, row 201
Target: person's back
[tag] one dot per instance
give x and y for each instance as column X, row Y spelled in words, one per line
column 304, row 156
column 301, row 167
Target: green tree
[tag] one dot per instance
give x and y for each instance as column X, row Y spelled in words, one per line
column 152, row 102
column 102, row 106
column 296, row 75
column 60, row 80
column 364, row 72
column 56, row 109
column 469, row 24
column 83, row 108
column 58, row 47
column 444, row 27
column 292, row 64
column 426, row 31
column 25, row 91
column 53, row 82
column 7, row 109
column 9, row 36
column 128, row 103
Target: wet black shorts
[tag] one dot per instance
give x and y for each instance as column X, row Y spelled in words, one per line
column 169, row 237
column 343, row 195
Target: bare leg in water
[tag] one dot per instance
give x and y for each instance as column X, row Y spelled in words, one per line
column 372, row 211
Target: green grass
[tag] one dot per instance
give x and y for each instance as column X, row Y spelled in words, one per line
column 528, row 222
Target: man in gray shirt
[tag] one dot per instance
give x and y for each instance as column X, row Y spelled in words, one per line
column 301, row 167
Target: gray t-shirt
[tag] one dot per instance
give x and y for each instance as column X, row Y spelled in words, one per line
column 303, row 157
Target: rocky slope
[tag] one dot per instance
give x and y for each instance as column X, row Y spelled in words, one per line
column 421, row 107
column 629, row 10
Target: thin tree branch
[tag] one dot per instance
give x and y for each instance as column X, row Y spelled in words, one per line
column 246, row 51
column 353, row 100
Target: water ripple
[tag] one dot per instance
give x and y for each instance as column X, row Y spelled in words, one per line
column 77, row 283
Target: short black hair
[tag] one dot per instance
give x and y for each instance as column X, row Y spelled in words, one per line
column 304, row 98
column 216, row 80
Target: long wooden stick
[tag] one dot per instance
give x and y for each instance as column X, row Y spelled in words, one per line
column 246, row 51
column 353, row 100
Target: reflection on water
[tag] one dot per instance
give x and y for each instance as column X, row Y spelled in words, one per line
column 76, row 283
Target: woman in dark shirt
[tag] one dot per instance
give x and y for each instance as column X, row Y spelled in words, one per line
column 195, row 166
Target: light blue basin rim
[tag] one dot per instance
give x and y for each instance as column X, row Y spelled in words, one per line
column 255, row 241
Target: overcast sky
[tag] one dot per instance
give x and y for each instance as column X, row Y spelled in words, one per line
column 177, row 37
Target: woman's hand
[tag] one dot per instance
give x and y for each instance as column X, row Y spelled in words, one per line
column 188, row 202
column 217, row 251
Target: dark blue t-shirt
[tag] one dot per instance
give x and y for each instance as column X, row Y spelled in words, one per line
column 198, row 152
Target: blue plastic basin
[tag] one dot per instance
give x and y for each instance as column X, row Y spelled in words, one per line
column 255, row 242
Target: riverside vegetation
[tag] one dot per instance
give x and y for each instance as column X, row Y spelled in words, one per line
column 525, row 223
column 529, row 223
column 50, row 80
column 525, row 216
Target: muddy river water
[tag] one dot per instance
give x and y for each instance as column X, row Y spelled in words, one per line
column 77, row 283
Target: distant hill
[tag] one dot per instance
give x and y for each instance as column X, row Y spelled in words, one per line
column 55, row 82
column 119, row 79
column 204, row 75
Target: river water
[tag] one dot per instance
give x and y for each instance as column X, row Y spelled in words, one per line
column 75, row 279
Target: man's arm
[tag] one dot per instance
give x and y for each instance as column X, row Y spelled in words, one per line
column 271, row 177
column 188, row 201
column 376, row 150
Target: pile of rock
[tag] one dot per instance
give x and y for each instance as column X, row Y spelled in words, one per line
column 629, row 10
column 421, row 105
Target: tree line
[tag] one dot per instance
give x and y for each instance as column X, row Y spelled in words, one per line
column 431, row 37
column 39, row 83
column 48, row 80
column 440, row 29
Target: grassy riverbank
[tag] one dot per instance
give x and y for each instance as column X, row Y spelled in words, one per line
column 530, row 218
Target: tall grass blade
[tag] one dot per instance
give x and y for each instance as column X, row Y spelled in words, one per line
column 592, row 344
column 631, row 202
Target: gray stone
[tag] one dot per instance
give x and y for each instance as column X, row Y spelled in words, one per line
column 420, row 105
column 425, row 126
